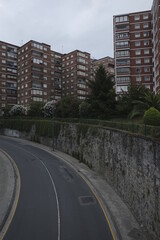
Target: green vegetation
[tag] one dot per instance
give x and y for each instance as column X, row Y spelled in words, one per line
column 152, row 117
column 67, row 107
column 35, row 109
column 102, row 97
column 132, row 111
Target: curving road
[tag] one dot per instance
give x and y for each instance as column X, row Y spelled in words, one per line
column 55, row 203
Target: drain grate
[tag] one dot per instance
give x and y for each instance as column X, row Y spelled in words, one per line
column 87, row 200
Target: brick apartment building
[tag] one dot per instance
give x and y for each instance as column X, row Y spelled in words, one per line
column 137, row 48
column 133, row 50
column 156, row 44
column 107, row 62
column 35, row 73
column 75, row 74
column 8, row 74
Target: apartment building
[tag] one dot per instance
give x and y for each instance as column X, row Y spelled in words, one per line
column 75, row 74
column 133, row 50
column 156, row 44
column 107, row 62
column 34, row 73
column 56, row 76
column 8, row 74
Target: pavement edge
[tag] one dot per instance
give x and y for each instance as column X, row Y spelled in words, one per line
column 11, row 205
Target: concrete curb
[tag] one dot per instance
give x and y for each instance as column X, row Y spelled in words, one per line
column 8, row 191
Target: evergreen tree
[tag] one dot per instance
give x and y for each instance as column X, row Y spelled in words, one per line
column 102, row 95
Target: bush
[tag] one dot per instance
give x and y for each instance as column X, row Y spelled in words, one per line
column 18, row 110
column 35, row 109
column 48, row 109
column 152, row 117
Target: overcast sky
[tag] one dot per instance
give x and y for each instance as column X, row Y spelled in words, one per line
column 66, row 25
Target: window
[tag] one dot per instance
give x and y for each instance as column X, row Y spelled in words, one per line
column 81, row 54
column 146, row 60
column 124, row 70
column 81, row 60
column 122, row 44
column 122, row 19
column 3, row 47
column 138, row 79
column 122, row 53
column 38, row 61
column 137, row 43
column 124, row 61
column 147, row 78
column 122, row 27
column 3, row 76
column 137, row 35
column 147, row 69
column 138, row 61
column 145, row 25
column 36, row 45
column 81, row 67
column 146, row 42
column 145, row 16
column 137, row 52
column 122, row 35
column 146, row 51
column 137, row 17
column 123, row 79
column 3, row 54
column 122, row 88
column 146, row 34
column 138, row 70
column 3, row 61
column 137, row 26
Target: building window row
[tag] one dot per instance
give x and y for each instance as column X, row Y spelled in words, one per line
column 122, row 44
column 122, row 19
column 122, row 35
column 123, row 79
column 122, row 53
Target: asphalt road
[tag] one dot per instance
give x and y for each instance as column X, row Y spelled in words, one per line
column 55, row 203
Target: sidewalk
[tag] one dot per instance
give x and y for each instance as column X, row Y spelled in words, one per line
column 7, row 189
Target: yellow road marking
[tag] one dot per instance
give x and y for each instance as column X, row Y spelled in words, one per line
column 11, row 215
column 94, row 193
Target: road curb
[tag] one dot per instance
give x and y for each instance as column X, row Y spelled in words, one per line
column 9, row 193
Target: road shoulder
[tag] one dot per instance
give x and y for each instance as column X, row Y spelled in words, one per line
column 9, row 191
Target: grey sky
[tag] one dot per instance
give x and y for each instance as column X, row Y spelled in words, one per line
column 66, row 25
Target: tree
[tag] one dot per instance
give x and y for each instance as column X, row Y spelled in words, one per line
column 67, row 107
column 36, row 109
column 102, row 96
column 126, row 101
column 84, row 109
column 148, row 101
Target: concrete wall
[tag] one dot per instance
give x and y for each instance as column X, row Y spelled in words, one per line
column 130, row 163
